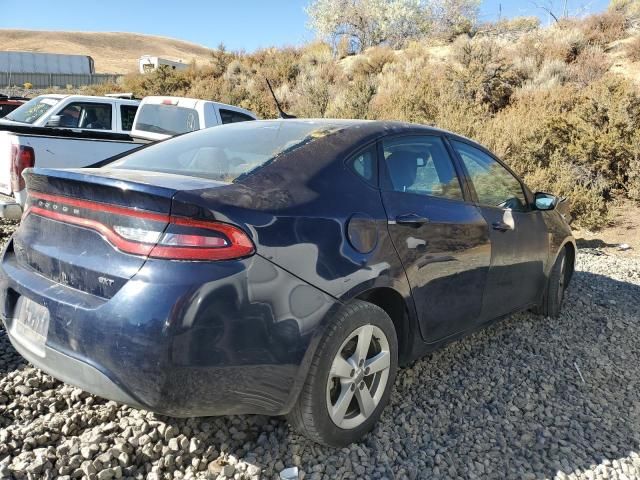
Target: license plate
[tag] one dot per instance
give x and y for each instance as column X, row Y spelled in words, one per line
column 31, row 324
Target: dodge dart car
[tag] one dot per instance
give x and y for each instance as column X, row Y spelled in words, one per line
column 275, row 267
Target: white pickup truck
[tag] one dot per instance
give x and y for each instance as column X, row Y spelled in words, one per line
column 41, row 133
column 159, row 118
column 63, row 131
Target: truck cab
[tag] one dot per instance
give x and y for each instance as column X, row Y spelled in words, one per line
column 76, row 112
column 159, row 118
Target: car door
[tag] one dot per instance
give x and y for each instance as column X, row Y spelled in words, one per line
column 519, row 238
column 441, row 237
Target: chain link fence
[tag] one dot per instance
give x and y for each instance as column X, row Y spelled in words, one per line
column 49, row 80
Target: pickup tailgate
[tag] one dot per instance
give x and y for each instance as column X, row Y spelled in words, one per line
column 93, row 232
column 6, row 139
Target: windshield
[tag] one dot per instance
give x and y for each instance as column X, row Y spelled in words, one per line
column 167, row 119
column 228, row 152
column 32, row 110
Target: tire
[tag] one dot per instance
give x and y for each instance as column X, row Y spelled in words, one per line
column 336, row 388
column 554, row 293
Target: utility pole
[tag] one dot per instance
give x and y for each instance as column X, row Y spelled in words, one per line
column 499, row 12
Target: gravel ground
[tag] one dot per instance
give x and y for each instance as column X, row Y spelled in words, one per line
column 528, row 397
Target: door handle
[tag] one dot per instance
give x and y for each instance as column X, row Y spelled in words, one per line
column 501, row 226
column 412, row 219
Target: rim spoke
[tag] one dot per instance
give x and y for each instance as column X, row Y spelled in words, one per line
column 364, row 340
column 365, row 401
column 341, row 367
column 380, row 362
column 342, row 404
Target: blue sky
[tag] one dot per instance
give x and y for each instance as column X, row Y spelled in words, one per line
column 239, row 24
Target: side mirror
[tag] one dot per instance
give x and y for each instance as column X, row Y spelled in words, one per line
column 54, row 121
column 545, row 201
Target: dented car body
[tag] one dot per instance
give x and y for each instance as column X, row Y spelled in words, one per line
column 197, row 277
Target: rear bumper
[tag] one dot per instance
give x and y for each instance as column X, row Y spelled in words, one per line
column 74, row 372
column 174, row 342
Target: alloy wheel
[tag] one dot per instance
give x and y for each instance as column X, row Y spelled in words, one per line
column 358, row 377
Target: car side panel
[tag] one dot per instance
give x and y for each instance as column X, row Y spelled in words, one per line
column 197, row 339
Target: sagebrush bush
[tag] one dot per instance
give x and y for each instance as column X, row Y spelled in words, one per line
column 481, row 73
column 629, row 8
column 589, row 66
column 632, row 49
column 604, row 28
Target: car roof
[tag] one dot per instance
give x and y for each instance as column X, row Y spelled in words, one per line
column 91, row 97
column 373, row 127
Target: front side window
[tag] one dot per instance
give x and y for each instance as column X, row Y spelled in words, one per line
column 90, row 116
column 495, row 186
column 33, row 110
column 421, row 165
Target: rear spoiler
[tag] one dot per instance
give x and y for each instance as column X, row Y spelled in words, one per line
column 66, row 133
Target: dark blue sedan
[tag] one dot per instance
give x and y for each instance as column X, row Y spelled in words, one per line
column 275, row 267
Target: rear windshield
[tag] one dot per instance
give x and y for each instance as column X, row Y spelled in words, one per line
column 229, row 152
column 32, row 110
column 167, row 119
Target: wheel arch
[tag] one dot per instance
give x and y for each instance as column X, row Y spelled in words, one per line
column 399, row 310
column 568, row 246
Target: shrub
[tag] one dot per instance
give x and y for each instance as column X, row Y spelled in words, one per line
column 372, row 62
column 354, row 100
column 604, row 28
column 563, row 42
column 632, row 49
column 591, row 65
column 516, row 25
column 482, row 74
column 28, row 86
column 314, row 89
column 629, row 8
column 552, row 73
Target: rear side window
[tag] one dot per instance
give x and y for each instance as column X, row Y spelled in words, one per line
column 229, row 116
column 90, row 116
column 127, row 113
column 421, row 165
column 495, row 186
column 364, row 165
column 167, row 119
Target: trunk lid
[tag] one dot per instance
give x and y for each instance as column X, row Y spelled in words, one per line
column 79, row 224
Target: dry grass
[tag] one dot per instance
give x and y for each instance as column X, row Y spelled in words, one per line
column 113, row 52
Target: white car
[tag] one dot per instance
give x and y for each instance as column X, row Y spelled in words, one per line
column 159, row 118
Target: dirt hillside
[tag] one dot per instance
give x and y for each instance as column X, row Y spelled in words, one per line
column 113, row 52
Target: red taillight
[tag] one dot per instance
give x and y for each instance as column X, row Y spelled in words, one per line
column 167, row 101
column 204, row 241
column 21, row 158
column 173, row 238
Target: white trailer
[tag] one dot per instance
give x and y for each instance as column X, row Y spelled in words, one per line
column 149, row 64
column 53, row 63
